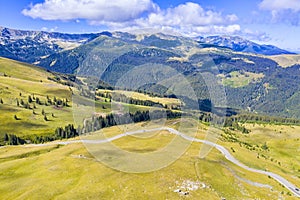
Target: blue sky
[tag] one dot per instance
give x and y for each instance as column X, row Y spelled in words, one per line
column 274, row 22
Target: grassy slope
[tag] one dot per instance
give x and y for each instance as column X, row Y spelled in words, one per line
column 282, row 155
column 29, row 172
column 136, row 95
column 19, row 78
column 28, row 80
column 71, row 176
column 237, row 79
column 286, row 60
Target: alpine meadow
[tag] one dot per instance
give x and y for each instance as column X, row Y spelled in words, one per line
column 149, row 99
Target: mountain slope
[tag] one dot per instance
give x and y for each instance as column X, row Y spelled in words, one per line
column 242, row 45
column 251, row 82
column 25, row 91
column 30, row 46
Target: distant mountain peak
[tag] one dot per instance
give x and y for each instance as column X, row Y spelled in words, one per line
column 240, row 44
column 30, row 46
column 22, row 45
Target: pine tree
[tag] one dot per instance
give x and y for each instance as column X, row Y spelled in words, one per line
column 29, row 99
column 45, row 118
column 16, row 118
column 18, row 104
column 6, row 138
column 43, row 112
column 1, row 101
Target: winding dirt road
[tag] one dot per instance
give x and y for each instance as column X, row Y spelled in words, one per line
column 291, row 187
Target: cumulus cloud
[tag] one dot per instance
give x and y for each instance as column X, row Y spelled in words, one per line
column 101, row 10
column 287, row 11
column 255, row 35
column 280, row 5
column 188, row 18
column 188, row 14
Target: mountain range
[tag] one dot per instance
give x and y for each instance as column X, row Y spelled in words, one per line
column 30, row 46
column 239, row 44
column 251, row 79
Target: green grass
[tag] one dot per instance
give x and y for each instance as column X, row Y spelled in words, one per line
column 235, row 79
column 71, row 176
column 19, row 80
column 71, row 172
column 18, row 70
column 141, row 96
column 283, row 148
column 22, row 80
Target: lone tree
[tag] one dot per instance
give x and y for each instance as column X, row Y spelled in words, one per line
column 43, row 112
column 1, row 101
column 37, row 100
column 265, row 146
column 29, row 99
column 45, row 118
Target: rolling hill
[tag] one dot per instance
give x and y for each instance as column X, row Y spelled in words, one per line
column 251, row 82
column 73, row 94
column 34, row 102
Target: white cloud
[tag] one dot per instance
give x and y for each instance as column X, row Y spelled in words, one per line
column 101, row 10
column 255, row 35
column 50, row 30
column 188, row 18
column 278, row 5
column 286, row 11
column 188, row 14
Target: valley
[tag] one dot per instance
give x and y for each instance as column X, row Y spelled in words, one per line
column 115, row 115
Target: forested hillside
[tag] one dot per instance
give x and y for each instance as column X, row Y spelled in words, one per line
column 251, row 82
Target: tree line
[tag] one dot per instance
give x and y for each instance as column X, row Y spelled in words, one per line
column 94, row 124
column 129, row 100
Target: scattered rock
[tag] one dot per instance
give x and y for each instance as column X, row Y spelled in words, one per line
column 186, row 186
